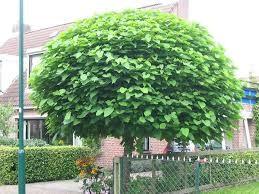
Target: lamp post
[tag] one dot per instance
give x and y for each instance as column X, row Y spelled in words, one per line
column 21, row 152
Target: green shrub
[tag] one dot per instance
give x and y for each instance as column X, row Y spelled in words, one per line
column 141, row 166
column 5, row 141
column 8, row 141
column 35, row 143
column 42, row 163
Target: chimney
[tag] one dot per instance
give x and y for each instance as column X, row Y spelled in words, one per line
column 15, row 28
column 183, row 9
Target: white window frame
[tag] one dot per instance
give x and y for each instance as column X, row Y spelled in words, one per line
column 146, row 144
column 30, row 54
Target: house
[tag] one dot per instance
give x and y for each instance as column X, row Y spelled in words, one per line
column 34, row 125
column 244, row 136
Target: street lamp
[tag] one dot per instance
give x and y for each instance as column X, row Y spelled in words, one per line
column 21, row 152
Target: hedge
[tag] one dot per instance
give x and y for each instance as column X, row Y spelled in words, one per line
column 42, row 163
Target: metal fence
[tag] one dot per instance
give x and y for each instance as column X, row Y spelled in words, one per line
column 159, row 174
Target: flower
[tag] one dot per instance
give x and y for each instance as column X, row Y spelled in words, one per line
column 94, row 171
column 82, row 173
column 85, row 162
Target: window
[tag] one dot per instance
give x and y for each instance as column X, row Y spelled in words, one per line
column 34, row 60
column 249, row 96
column 250, row 92
column 146, row 144
column 35, row 129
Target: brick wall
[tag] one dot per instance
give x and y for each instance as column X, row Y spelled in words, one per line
column 239, row 138
column 110, row 147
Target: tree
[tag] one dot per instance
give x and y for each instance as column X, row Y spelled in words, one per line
column 137, row 74
column 6, row 124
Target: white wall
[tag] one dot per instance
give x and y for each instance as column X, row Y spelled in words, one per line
column 9, row 70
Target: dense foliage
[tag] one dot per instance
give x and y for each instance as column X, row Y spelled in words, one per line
column 256, row 119
column 42, row 163
column 137, row 74
column 6, row 124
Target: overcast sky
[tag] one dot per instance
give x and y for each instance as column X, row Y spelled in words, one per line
column 233, row 23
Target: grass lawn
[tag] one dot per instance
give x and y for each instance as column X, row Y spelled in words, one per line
column 251, row 188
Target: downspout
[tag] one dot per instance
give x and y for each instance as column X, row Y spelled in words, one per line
column 248, row 138
column 223, row 142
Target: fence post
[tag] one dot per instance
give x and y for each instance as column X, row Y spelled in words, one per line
column 197, row 177
column 153, row 164
column 116, row 175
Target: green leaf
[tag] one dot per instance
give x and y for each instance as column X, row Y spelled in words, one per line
column 162, row 126
column 128, row 95
column 150, row 119
column 77, row 55
column 99, row 112
column 83, row 114
column 145, row 75
column 68, row 115
column 58, row 107
column 142, row 119
column 207, row 122
column 196, row 122
column 123, row 103
column 67, row 118
column 108, row 111
column 144, row 90
column 122, row 90
column 114, row 79
column 202, row 104
column 147, row 38
column 110, row 36
column 185, row 131
column 83, row 77
column 42, row 102
column 147, row 112
column 167, row 118
column 136, row 104
column 99, row 54
column 185, row 103
column 50, row 102
column 126, row 119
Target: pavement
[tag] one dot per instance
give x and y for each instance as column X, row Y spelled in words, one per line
column 54, row 187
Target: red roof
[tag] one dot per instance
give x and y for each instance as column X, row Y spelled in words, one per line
column 32, row 39
column 39, row 38
column 11, row 95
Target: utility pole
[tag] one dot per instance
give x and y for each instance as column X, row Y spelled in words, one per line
column 21, row 152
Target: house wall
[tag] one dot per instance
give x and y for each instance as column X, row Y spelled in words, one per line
column 111, row 147
column 9, row 70
column 239, row 139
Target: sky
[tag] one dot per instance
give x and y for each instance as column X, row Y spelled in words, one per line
column 233, row 23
